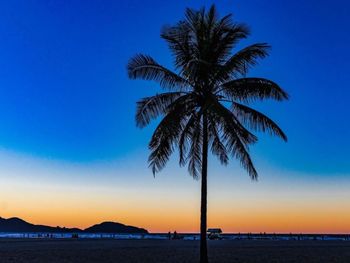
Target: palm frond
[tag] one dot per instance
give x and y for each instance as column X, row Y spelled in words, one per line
column 221, row 114
column 217, row 147
column 195, row 153
column 163, row 141
column 180, row 43
column 166, row 135
column 257, row 121
column 146, row 68
column 238, row 150
column 226, row 36
column 239, row 63
column 186, row 137
column 235, row 137
column 152, row 107
column 250, row 89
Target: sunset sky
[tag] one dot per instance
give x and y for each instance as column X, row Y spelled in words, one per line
column 70, row 152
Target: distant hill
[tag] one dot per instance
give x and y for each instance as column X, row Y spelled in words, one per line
column 111, row 227
column 15, row 224
column 18, row 225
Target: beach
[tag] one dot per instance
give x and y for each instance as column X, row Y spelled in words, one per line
column 109, row 250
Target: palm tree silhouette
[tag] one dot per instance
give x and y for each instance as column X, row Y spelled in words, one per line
column 206, row 98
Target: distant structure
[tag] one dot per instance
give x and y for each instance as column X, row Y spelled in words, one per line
column 214, row 233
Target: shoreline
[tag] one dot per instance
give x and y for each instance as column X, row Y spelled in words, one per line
column 165, row 236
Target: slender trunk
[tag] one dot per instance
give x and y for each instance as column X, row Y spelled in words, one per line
column 203, row 228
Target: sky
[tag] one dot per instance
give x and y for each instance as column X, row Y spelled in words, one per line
column 71, row 154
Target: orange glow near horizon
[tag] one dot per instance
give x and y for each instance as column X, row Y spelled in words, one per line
column 170, row 214
column 272, row 221
column 49, row 194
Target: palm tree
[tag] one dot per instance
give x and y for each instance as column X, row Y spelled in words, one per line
column 206, row 98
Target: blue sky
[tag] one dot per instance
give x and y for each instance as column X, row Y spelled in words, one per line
column 65, row 95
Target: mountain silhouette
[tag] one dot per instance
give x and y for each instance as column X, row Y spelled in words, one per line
column 111, row 227
column 18, row 225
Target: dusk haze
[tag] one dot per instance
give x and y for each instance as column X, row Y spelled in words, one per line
column 270, row 132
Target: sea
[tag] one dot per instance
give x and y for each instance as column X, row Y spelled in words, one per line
column 182, row 236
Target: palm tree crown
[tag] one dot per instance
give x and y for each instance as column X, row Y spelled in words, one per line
column 206, row 97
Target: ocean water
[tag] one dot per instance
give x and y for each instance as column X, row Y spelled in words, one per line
column 344, row 237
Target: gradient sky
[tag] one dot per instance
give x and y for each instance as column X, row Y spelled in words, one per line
column 70, row 153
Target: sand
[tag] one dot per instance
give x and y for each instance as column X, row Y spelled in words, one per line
column 244, row 251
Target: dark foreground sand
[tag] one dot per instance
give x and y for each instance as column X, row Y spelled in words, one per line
column 244, row 251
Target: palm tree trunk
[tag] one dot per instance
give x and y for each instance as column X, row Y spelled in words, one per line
column 203, row 228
